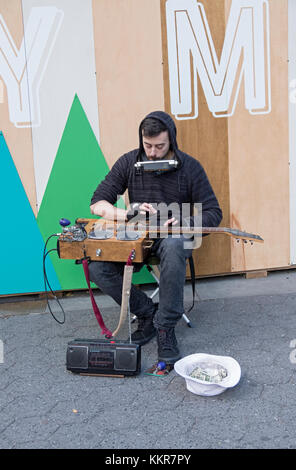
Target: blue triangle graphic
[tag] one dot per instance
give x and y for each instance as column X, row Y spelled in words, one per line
column 20, row 238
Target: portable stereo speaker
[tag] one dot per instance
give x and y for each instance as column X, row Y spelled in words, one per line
column 103, row 357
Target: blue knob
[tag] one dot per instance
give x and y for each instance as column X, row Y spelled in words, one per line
column 64, row 222
column 161, row 365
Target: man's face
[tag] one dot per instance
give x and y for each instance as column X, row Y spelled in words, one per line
column 157, row 147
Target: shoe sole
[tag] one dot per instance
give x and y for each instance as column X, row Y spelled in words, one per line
column 169, row 360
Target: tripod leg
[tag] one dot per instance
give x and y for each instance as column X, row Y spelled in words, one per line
column 187, row 321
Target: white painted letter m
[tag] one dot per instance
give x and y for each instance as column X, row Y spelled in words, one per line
column 245, row 53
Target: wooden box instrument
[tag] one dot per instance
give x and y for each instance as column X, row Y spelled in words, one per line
column 103, row 240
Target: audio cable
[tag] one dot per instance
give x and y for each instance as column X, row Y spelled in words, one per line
column 46, row 282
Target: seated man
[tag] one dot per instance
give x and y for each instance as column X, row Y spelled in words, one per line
column 185, row 182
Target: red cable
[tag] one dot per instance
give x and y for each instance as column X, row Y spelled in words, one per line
column 96, row 310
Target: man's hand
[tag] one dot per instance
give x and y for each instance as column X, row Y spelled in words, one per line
column 108, row 211
column 139, row 211
column 147, row 208
column 150, row 212
column 172, row 221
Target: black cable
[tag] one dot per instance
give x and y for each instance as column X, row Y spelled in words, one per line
column 46, row 282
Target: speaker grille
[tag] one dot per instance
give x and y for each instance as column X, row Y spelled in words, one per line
column 77, row 357
column 125, row 359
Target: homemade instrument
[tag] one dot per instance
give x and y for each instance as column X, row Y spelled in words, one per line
column 103, row 240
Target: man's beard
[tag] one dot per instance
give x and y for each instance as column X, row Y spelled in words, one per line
column 167, row 156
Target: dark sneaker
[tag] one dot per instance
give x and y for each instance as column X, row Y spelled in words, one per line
column 168, row 350
column 145, row 331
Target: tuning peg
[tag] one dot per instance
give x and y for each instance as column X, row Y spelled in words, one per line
column 237, row 240
column 245, row 241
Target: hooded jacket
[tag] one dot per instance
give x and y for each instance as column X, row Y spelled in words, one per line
column 188, row 183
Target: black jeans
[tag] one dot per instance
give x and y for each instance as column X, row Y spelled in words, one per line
column 108, row 276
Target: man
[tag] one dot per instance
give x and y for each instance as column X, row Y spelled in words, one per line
column 186, row 182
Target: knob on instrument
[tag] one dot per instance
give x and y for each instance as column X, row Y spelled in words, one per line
column 64, row 222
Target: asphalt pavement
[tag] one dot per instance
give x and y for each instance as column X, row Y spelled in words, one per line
column 44, row 406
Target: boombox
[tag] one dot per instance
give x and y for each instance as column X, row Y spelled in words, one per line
column 103, row 357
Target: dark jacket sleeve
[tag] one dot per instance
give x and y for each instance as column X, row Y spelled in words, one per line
column 202, row 192
column 114, row 184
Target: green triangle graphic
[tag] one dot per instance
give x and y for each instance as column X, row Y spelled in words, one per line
column 78, row 168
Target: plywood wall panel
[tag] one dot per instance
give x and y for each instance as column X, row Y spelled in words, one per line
column 206, row 139
column 245, row 155
column 259, row 162
column 127, row 37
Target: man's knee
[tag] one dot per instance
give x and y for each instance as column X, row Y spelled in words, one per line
column 99, row 269
column 94, row 269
